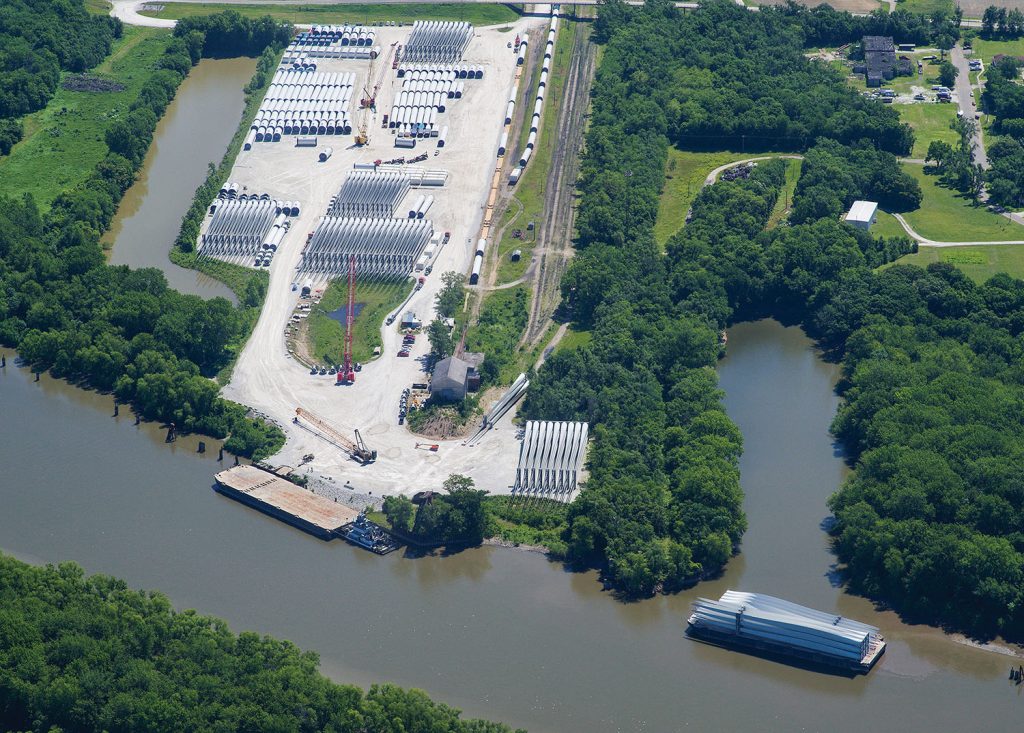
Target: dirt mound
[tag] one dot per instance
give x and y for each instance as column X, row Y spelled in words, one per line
column 91, row 83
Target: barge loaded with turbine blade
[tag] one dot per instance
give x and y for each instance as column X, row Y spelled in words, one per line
column 772, row 626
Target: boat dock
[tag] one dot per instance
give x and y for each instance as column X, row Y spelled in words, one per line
column 764, row 624
column 281, row 499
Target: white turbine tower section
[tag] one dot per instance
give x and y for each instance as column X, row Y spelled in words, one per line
column 550, row 459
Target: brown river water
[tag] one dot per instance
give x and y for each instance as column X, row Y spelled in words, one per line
column 500, row 633
column 194, row 132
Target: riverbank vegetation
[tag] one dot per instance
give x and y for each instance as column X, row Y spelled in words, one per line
column 87, row 653
column 929, row 520
column 111, row 328
column 477, row 14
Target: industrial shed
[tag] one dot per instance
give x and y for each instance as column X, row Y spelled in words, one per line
column 862, row 214
column 451, row 380
column 550, row 459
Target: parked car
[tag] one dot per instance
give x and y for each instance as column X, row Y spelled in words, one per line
column 403, row 352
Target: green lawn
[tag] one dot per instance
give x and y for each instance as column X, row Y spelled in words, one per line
column 574, row 339
column 946, row 216
column 886, row 226
column 930, row 122
column 985, row 50
column 528, row 196
column 65, row 140
column 477, row 14
column 785, row 200
column 685, row 172
column 926, row 7
column 327, row 336
column 979, row 262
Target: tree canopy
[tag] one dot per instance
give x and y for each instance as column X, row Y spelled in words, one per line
column 89, row 654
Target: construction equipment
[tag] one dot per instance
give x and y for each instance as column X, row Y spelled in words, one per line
column 370, row 98
column 428, row 446
column 350, row 317
column 315, row 424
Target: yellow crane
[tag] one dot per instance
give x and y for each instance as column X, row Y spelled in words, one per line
column 318, row 425
column 368, row 101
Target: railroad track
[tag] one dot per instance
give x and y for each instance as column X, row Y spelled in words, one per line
column 554, row 240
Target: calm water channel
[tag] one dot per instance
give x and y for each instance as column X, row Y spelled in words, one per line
column 194, row 132
column 500, row 633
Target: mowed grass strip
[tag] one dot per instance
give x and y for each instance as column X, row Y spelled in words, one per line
column 685, row 172
column 65, row 140
column 931, row 121
column 475, row 13
column 531, row 189
column 978, row 262
column 327, row 336
column 785, row 200
column 947, row 216
column 886, row 226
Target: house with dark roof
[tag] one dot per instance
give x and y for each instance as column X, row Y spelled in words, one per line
column 879, row 59
column 451, row 380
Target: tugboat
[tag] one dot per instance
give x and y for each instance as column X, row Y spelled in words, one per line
column 364, row 533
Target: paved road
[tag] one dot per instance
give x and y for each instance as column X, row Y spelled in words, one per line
column 967, row 97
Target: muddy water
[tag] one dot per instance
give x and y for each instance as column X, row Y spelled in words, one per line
column 194, row 132
column 499, row 633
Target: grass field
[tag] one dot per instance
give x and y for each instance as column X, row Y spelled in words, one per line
column 574, row 339
column 930, row 122
column 978, row 262
column 926, row 7
column 528, row 199
column 327, row 336
column 985, row 50
column 886, row 226
column 477, row 14
column 685, row 172
column 785, row 200
column 945, row 216
column 65, row 140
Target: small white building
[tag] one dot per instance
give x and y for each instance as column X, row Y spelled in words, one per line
column 862, row 214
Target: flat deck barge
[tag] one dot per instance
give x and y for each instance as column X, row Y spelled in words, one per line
column 283, row 500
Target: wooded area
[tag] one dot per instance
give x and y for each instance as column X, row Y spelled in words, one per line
column 38, row 40
column 931, row 520
column 90, row 654
column 121, row 330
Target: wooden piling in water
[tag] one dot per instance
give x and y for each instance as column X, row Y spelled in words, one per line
column 202, row 447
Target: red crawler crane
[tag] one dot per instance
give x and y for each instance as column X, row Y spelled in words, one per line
column 347, row 367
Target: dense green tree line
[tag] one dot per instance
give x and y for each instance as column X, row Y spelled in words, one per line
column 111, row 328
column 1004, row 98
column 459, row 516
column 663, row 503
column 932, row 520
column 84, row 654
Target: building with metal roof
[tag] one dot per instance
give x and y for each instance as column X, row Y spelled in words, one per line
column 862, row 214
column 451, row 379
